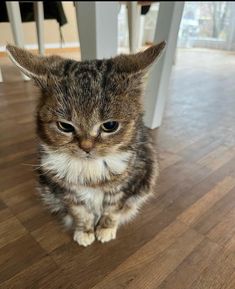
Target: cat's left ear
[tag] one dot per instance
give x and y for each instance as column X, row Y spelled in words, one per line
column 34, row 66
column 140, row 61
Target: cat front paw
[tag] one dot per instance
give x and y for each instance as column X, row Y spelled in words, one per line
column 106, row 234
column 84, row 238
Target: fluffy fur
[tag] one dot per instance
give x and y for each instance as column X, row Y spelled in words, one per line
column 95, row 180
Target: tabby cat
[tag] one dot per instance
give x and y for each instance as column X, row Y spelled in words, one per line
column 97, row 160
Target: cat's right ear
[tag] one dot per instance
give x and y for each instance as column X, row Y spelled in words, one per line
column 34, row 66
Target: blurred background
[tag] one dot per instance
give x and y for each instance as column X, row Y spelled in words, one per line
column 205, row 24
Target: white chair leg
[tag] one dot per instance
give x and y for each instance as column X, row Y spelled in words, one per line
column 141, row 35
column 39, row 18
column 167, row 27
column 97, row 28
column 1, row 79
column 13, row 10
column 134, row 14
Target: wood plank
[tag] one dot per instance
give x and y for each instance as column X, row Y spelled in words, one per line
column 5, row 214
column 148, row 256
column 71, row 257
column 11, row 195
column 216, row 275
column 201, row 206
column 222, row 232
column 214, row 215
column 218, row 157
column 51, row 236
column 11, row 229
column 184, row 194
column 167, row 159
column 189, row 270
column 35, row 217
column 18, row 255
column 30, row 277
column 166, row 262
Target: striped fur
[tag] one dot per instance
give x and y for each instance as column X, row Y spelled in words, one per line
column 93, row 192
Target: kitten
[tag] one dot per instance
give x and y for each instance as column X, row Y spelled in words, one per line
column 97, row 161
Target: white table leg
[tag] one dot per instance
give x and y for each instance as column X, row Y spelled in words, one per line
column 134, row 14
column 231, row 28
column 141, row 29
column 13, row 10
column 167, row 27
column 97, row 28
column 1, row 80
column 39, row 18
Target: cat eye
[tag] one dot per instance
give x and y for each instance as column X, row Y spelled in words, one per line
column 65, row 127
column 110, row 126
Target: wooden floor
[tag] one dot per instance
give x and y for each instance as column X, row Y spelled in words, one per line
column 184, row 239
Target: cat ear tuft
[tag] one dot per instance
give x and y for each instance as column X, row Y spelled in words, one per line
column 28, row 63
column 140, row 61
column 34, row 66
column 147, row 57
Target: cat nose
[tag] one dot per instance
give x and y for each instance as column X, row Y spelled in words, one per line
column 86, row 145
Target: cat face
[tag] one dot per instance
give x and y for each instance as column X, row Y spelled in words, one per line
column 90, row 108
column 94, row 113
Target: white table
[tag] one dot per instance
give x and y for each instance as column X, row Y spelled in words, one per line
column 97, row 25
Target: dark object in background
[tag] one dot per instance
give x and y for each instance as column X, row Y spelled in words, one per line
column 145, row 6
column 145, row 9
column 52, row 10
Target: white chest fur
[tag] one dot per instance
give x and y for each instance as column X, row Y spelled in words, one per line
column 93, row 198
column 81, row 171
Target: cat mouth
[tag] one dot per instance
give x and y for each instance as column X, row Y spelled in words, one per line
column 88, row 156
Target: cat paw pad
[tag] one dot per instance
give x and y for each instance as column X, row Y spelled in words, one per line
column 106, row 234
column 84, row 238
